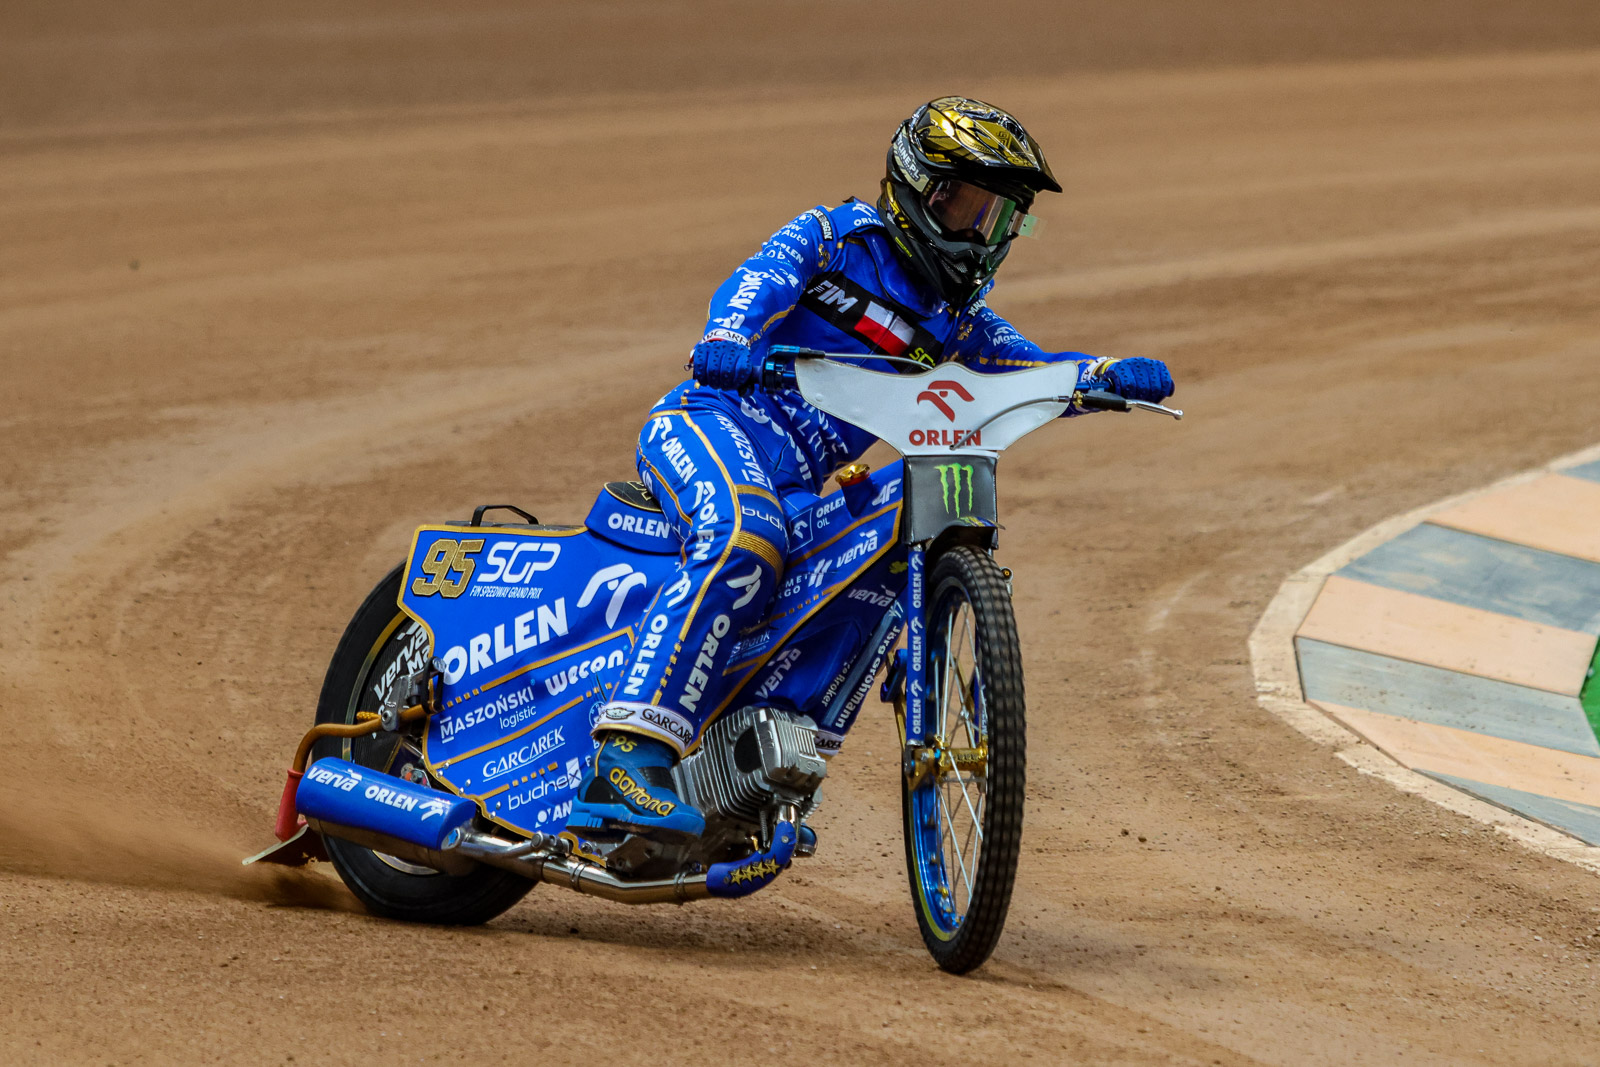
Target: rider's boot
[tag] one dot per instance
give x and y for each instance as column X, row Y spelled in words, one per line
column 629, row 790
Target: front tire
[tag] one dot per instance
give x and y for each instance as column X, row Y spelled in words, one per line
column 963, row 814
column 382, row 640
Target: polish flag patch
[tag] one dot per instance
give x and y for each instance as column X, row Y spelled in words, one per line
column 886, row 329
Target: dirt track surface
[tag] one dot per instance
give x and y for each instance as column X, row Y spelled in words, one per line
column 273, row 293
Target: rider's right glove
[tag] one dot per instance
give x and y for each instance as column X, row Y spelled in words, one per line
column 1140, row 379
column 721, row 364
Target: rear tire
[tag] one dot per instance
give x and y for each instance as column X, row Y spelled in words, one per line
column 963, row 831
column 379, row 635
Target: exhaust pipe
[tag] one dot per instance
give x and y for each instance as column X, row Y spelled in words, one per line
column 443, row 862
column 532, row 860
column 424, row 826
column 420, row 825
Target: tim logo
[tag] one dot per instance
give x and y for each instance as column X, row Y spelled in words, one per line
column 938, row 394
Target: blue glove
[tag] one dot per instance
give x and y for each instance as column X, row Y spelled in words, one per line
column 1140, row 379
column 720, row 364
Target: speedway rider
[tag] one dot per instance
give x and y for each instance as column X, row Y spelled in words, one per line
column 906, row 279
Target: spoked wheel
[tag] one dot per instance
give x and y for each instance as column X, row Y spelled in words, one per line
column 963, row 793
column 381, row 642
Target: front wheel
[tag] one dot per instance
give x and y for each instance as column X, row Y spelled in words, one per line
column 381, row 642
column 963, row 787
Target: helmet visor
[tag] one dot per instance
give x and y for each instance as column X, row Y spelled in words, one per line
column 970, row 213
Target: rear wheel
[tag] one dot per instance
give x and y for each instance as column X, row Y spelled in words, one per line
column 381, row 642
column 962, row 795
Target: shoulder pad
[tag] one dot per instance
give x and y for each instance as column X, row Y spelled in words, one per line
column 853, row 215
column 820, row 216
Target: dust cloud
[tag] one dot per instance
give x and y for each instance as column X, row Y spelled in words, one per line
column 88, row 839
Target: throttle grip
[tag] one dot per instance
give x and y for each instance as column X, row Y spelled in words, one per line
column 1100, row 400
column 777, row 375
column 777, row 370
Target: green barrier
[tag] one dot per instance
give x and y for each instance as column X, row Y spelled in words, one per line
column 1591, row 694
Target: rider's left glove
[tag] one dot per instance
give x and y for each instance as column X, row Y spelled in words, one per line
column 1140, row 379
column 721, row 364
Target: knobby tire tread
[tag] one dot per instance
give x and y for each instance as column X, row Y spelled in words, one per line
column 1000, row 659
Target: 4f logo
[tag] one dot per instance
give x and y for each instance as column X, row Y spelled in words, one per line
column 953, row 478
column 445, row 556
column 939, row 392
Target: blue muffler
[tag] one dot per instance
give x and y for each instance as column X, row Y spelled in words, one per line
column 406, row 821
column 341, row 799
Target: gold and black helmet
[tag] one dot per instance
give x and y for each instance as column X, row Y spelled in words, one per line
column 961, row 177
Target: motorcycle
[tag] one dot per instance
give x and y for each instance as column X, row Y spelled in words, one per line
column 454, row 722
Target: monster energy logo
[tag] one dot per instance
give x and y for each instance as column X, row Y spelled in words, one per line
column 950, row 478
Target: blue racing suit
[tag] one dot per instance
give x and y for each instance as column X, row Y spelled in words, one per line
column 724, row 464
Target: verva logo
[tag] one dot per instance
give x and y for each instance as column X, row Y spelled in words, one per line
column 938, row 394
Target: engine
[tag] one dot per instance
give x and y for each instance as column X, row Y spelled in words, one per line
column 749, row 762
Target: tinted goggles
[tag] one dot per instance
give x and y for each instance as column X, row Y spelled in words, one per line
column 968, row 212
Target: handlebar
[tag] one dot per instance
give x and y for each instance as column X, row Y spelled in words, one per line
column 1102, row 400
column 777, row 373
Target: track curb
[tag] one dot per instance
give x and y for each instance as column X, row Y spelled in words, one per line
column 1277, row 678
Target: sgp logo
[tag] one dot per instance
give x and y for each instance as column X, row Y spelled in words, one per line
column 938, row 393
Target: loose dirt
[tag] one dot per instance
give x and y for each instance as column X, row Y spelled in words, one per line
column 277, row 287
